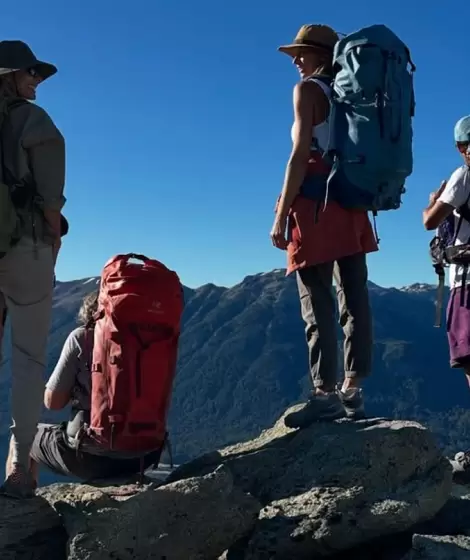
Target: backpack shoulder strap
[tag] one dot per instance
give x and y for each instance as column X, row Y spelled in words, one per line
column 464, row 214
column 7, row 109
column 323, row 81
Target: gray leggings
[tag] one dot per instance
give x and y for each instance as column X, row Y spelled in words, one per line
column 319, row 313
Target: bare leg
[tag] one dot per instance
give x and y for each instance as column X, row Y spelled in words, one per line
column 9, row 463
column 467, row 374
column 355, row 383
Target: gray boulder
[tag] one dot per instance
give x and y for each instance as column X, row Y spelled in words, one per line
column 334, row 486
column 195, row 519
column 30, row 530
column 452, row 519
column 428, row 547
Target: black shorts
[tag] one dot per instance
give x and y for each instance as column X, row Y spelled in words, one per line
column 50, row 448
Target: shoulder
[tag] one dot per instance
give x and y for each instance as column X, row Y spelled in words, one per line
column 33, row 123
column 459, row 176
column 456, row 191
column 308, row 99
column 77, row 338
column 309, row 89
column 28, row 112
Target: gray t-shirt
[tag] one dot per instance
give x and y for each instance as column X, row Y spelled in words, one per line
column 72, row 375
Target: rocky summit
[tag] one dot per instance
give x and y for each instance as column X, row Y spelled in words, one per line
column 373, row 489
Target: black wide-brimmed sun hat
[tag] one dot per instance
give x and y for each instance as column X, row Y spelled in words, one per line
column 17, row 55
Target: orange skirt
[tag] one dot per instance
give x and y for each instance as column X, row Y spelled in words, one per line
column 319, row 234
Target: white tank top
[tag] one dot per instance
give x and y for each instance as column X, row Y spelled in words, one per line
column 321, row 131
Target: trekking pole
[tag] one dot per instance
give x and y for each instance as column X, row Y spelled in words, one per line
column 440, row 296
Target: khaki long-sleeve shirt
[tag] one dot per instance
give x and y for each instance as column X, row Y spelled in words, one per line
column 34, row 152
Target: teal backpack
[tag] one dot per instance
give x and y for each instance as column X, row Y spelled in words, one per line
column 373, row 105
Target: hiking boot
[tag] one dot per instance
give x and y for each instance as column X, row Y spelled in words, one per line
column 317, row 409
column 19, row 484
column 353, row 402
column 461, row 467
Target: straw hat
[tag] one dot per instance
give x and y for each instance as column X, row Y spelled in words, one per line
column 315, row 35
column 16, row 55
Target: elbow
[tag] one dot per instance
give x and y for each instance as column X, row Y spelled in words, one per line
column 428, row 225
column 48, row 404
column 52, row 401
column 429, row 222
column 299, row 159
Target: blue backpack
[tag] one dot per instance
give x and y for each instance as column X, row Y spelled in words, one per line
column 372, row 108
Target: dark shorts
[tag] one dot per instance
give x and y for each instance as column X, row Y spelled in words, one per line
column 458, row 327
column 50, row 448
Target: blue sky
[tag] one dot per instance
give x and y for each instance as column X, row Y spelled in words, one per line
column 177, row 119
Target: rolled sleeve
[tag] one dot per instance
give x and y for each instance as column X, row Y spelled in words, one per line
column 45, row 146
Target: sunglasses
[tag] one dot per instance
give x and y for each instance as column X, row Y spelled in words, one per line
column 33, row 72
column 462, row 147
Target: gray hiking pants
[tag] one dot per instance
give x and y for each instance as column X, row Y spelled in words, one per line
column 26, row 278
column 319, row 313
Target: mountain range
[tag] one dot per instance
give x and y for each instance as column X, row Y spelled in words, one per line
column 243, row 361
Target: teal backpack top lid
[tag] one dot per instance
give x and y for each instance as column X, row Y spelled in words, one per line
column 372, row 108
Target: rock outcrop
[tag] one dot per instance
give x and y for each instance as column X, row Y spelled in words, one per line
column 195, row 519
column 30, row 530
column 429, row 547
column 371, row 489
column 335, row 485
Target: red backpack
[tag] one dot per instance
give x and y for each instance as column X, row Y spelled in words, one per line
column 134, row 355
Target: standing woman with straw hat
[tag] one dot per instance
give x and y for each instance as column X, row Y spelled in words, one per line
column 323, row 241
column 31, row 198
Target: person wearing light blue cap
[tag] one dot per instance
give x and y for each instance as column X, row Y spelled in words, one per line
column 462, row 131
column 450, row 206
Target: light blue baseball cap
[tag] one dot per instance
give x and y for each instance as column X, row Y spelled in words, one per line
column 462, row 130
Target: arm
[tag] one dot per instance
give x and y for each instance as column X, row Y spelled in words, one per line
column 309, row 104
column 436, row 213
column 48, row 167
column 304, row 103
column 451, row 195
column 59, row 387
column 46, row 152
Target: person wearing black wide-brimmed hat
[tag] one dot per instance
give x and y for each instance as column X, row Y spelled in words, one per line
column 32, row 152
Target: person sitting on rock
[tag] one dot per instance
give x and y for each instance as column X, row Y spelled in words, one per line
column 324, row 243
column 63, row 448
column 453, row 197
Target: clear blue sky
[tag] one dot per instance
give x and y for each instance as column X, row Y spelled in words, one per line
column 177, row 119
